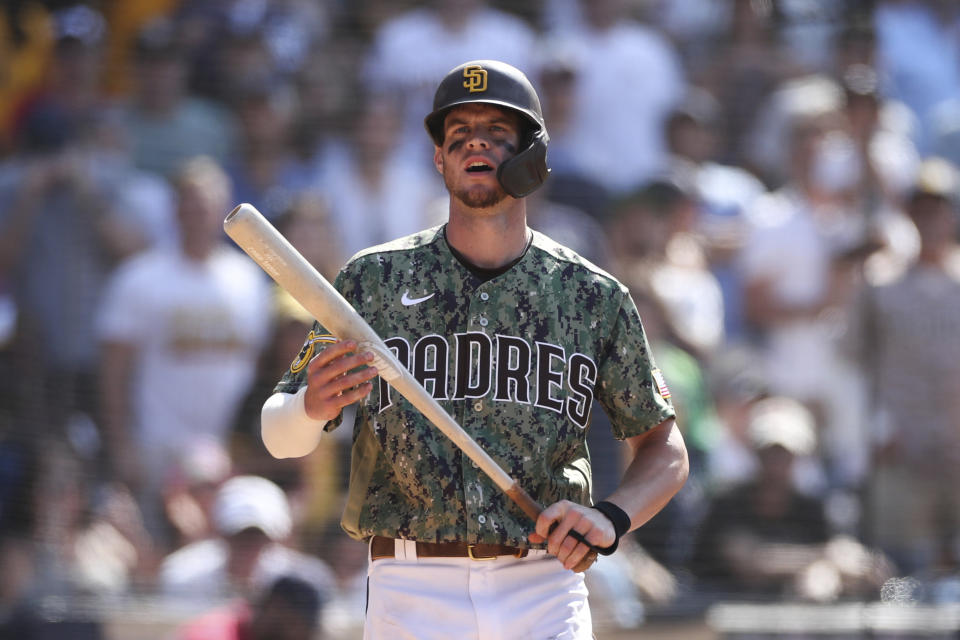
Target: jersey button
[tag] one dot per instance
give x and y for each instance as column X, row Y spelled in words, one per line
column 478, row 405
column 483, row 322
column 484, row 296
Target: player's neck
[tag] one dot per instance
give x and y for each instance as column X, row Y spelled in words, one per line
column 489, row 241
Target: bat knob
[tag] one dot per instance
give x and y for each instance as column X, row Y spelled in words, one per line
column 586, row 562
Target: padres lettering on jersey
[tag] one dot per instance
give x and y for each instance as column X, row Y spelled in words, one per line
column 501, row 367
column 517, row 361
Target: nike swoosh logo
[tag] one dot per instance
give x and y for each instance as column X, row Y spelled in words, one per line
column 408, row 301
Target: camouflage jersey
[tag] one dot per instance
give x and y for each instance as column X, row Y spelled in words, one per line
column 517, row 361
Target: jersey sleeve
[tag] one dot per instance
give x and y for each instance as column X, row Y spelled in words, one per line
column 629, row 386
column 295, row 376
column 316, row 341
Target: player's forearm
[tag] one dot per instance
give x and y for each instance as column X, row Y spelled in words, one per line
column 286, row 429
column 657, row 472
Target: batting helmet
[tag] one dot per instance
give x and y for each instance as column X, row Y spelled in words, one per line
column 498, row 83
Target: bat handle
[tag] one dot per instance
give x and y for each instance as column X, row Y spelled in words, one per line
column 523, row 500
column 533, row 509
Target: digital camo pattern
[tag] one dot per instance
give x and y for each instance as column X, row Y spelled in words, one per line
column 516, row 361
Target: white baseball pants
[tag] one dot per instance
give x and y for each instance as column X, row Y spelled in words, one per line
column 506, row 598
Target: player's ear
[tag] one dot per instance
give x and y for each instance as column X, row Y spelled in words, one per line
column 438, row 158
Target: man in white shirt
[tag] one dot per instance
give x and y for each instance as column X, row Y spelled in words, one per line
column 182, row 330
column 629, row 77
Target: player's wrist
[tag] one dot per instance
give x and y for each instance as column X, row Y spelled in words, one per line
column 620, row 520
column 286, row 429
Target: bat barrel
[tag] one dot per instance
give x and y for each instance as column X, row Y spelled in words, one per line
column 275, row 255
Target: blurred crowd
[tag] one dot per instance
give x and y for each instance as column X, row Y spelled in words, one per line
column 775, row 180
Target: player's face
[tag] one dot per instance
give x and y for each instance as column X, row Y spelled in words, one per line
column 477, row 139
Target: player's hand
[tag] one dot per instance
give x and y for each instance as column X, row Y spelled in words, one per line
column 336, row 377
column 592, row 525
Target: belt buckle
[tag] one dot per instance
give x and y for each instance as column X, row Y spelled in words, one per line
column 478, row 558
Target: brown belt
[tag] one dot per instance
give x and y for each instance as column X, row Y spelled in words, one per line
column 381, row 547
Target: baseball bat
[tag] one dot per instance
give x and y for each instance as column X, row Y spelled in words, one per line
column 275, row 255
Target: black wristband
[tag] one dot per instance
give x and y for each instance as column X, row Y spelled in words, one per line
column 620, row 520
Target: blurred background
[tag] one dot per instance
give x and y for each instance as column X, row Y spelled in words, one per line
column 775, row 180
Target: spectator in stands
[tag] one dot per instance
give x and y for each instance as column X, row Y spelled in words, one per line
column 259, row 170
column 324, row 96
column 764, row 539
column 768, row 142
column 189, row 492
column 889, row 162
column 628, row 77
column 654, row 239
column 64, row 225
column 74, row 75
column 569, row 183
column 289, row 610
column 308, row 224
column 80, row 539
column 905, row 339
column 570, row 226
column 26, row 46
column 556, row 81
column 254, row 527
column 235, row 60
column 724, row 195
column 918, row 58
column 457, row 30
column 125, row 20
column 800, row 266
column 736, row 383
column 182, row 329
column 856, row 52
column 749, row 62
column 695, row 27
column 166, row 124
column 232, row 42
column 375, row 192
column 888, row 156
column 668, row 536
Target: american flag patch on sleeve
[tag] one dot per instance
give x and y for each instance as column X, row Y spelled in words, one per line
column 662, row 387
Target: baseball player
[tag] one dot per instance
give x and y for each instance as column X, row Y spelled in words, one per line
column 515, row 336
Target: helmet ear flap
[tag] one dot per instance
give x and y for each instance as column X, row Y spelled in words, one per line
column 522, row 174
